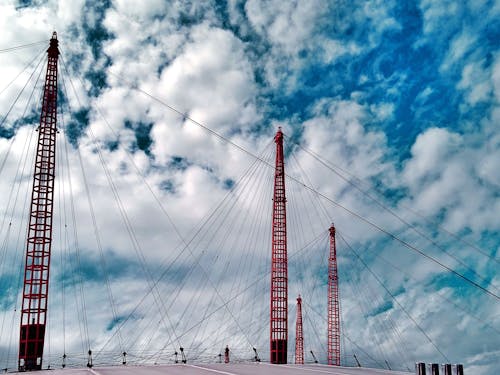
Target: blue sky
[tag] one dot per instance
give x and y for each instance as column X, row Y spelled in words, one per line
column 401, row 98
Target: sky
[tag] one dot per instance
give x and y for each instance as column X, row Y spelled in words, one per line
column 167, row 112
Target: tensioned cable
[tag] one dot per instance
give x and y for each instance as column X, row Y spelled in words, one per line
column 388, row 262
column 342, row 329
column 95, row 227
column 19, row 172
column 21, row 229
column 229, row 228
column 392, row 236
column 308, row 318
column 2, row 249
column 64, row 235
column 365, row 308
column 76, row 239
column 16, row 48
column 41, row 53
column 329, row 165
column 392, row 296
column 204, row 271
column 135, row 242
column 13, row 205
column 382, row 328
column 396, row 238
column 314, row 215
column 385, row 330
column 403, row 221
column 172, row 263
column 240, row 190
column 253, row 186
column 347, row 337
column 386, row 323
column 20, row 93
column 321, row 212
column 81, row 311
column 252, row 299
column 255, row 232
column 256, row 280
column 351, row 212
column 10, row 109
column 23, row 224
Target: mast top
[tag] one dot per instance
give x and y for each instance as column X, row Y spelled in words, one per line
column 279, row 136
column 54, row 44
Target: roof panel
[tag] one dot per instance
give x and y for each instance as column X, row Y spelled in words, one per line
column 225, row 369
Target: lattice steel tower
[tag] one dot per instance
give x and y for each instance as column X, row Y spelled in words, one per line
column 39, row 243
column 299, row 335
column 279, row 272
column 333, row 304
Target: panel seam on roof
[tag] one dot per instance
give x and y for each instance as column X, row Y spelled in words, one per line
column 213, row 370
column 311, row 370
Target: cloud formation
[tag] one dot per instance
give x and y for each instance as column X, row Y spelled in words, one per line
column 400, row 101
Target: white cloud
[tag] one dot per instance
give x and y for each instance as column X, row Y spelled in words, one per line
column 217, row 89
column 333, row 49
column 496, row 79
column 443, row 173
column 209, row 73
column 476, row 82
column 429, row 149
column 436, row 13
column 459, row 47
column 378, row 14
column 145, row 12
column 289, row 25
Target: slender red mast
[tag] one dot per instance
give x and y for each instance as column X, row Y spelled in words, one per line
column 299, row 335
column 333, row 304
column 279, row 272
column 38, row 247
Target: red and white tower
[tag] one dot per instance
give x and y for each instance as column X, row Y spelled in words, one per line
column 299, row 335
column 38, row 247
column 333, row 304
column 279, row 271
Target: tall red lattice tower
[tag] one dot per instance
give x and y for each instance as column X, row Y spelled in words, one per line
column 279, row 272
column 333, row 304
column 299, row 335
column 39, row 243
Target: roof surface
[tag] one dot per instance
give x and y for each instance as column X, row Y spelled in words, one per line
column 225, row 369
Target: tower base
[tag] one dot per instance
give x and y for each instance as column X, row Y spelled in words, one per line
column 279, row 351
column 31, row 347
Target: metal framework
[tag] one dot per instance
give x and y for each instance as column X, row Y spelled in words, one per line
column 39, row 243
column 299, row 335
column 279, row 271
column 333, row 304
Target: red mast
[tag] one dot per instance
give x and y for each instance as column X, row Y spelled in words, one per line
column 333, row 304
column 299, row 336
column 38, row 247
column 279, row 272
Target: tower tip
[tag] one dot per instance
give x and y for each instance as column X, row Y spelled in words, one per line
column 54, row 44
column 279, row 135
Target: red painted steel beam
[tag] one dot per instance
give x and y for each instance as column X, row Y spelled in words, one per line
column 39, row 243
column 333, row 344
column 299, row 335
column 279, row 269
